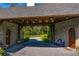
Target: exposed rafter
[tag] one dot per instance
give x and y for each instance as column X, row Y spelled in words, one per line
column 43, row 20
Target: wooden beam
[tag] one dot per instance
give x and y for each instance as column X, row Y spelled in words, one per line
column 18, row 31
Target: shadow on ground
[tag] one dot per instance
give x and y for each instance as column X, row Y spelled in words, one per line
column 31, row 43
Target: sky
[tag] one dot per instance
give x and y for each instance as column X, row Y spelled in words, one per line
column 7, row 5
column 4, row 5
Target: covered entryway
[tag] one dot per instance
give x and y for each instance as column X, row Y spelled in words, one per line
column 72, row 37
column 8, row 35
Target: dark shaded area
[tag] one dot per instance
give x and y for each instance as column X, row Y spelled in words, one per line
column 31, row 43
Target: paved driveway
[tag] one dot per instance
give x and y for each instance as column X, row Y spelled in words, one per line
column 45, row 51
column 39, row 48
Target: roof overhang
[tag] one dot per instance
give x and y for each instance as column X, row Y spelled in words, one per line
column 40, row 14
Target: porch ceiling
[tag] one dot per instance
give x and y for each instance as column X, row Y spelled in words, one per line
column 41, row 20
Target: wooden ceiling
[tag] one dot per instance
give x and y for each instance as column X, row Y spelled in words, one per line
column 41, row 20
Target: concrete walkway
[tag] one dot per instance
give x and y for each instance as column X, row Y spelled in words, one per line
column 45, row 51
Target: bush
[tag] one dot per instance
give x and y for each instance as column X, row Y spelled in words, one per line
column 2, row 52
column 26, row 39
column 44, row 37
column 77, row 49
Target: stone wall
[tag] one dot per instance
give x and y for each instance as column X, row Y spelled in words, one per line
column 13, row 28
column 61, row 30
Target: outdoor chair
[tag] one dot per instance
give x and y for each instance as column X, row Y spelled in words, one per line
column 59, row 43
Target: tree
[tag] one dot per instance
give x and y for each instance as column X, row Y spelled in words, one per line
column 44, row 29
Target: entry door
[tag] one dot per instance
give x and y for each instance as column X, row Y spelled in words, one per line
column 72, row 37
column 8, row 35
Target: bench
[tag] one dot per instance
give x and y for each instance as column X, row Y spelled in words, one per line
column 59, row 43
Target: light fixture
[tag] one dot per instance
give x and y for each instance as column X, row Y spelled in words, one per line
column 52, row 19
column 46, row 20
column 67, row 18
column 40, row 21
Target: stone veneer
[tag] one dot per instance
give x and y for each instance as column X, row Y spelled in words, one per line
column 61, row 30
column 13, row 28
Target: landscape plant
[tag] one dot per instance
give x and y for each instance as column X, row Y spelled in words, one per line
column 44, row 37
column 2, row 52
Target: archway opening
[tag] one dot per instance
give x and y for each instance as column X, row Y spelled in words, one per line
column 36, row 36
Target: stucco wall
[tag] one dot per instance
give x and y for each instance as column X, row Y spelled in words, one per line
column 13, row 28
column 63, row 27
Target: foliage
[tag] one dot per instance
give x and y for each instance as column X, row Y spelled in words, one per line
column 36, row 30
column 44, row 29
column 77, row 49
column 2, row 52
column 41, row 31
column 26, row 30
column 44, row 37
column 26, row 38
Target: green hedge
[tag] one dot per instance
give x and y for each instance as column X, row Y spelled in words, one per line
column 44, row 37
column 2, row 52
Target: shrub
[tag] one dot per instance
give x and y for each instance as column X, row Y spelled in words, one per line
column 44, row 37
column 26, row 38
column 2, row 52
column 77, row 49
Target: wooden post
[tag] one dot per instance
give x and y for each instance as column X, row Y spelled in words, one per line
column 18, row 33
column 1, row 21
column 52, row 33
